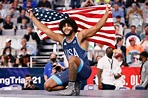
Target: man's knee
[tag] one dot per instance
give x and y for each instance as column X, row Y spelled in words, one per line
column 47, row 86
column 73, row 60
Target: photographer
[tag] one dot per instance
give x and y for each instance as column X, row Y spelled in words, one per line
column 53, row 66
column 28, row 85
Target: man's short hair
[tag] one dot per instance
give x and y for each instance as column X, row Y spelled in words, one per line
column 144, row 53
column 133, row 26
column 28, row 75
column 118, row 16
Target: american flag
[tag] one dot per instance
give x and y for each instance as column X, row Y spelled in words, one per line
column 84, row 17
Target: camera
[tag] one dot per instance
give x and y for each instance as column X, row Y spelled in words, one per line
column 30, row 82
column 56, row 67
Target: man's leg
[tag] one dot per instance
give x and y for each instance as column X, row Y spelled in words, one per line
column 51, row 85
column 74, row 63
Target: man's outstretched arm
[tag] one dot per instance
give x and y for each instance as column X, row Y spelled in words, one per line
column 43, row 28
column 93, row 30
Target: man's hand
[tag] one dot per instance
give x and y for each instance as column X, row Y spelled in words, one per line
column 108, row 9
column 30, row 13
column 26, row 84
column 100, row 86
column 118, row 75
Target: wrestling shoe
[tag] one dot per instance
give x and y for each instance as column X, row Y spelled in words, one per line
column 77, row 88
column 69, row 91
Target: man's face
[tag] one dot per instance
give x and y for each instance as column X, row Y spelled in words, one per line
column 67, row 30
column 132, row 43
column 28, row 79
column 8, row 44
column 135, row 59
column 133, row 29
column 109, row 52
column 118, row 19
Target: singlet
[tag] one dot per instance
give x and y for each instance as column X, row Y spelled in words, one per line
column 73, row 48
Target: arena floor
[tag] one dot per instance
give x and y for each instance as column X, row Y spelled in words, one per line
column 83, row 94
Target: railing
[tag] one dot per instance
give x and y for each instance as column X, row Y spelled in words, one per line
column 34, row 60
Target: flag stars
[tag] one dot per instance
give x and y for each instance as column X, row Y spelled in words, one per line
column 36, row 14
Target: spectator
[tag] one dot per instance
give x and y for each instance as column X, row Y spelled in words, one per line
column 119, row 45
column 29, row 3
column 121, row 24
column 144, row 9
column 118, row 32
column 16, row 5
column 19, row 62
column 10, row 57
column 29, row 85
column 134, row 59
column 133, row 46
column 144, row 42
column 8, row 24
column 87, row 3
column 30, row 35
column 129, row 3
column 117, row 11
column 135, row 16
column 120, row 4
column 133, row 32
column 144, row 70
column 26, row 57
column 53, row 66
column 99, row 56
column 30, row 49
column 143, row 34
column 13, row 12
column 108, row 71
column 1, row 21
column 2, row 11
column 122, row 63
column 6, row 1
column 44, row 4
column 8, row 44
column 23, row 25
column 4, row 61
column 99, row 48
column 101, row 2
column 75, row 4
column 23, row 15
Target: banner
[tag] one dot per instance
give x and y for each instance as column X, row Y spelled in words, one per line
column 130, row 76
column 9, row 76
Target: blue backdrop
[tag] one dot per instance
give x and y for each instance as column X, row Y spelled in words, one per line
column 10, row 76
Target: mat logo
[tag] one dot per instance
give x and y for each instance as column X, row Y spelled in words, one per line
column 18, row 80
